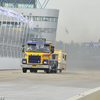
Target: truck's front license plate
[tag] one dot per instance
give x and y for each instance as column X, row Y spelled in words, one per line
column 34, row 66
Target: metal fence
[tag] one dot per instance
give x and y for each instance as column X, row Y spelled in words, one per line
column 12, row 36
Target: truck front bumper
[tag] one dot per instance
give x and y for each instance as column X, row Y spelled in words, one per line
column 33, row 66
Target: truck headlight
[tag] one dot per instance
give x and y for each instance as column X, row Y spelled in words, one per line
column 24, row 61
column 45, row 62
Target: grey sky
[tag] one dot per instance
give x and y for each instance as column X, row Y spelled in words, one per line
column 80, row 17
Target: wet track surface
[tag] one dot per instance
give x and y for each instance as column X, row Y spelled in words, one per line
column 15, row 85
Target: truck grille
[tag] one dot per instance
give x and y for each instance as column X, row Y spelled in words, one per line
column 34, row 59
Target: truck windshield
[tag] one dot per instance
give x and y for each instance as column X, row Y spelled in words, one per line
column 37, row 48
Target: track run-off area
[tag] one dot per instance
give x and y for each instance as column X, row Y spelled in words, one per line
column 15, row 85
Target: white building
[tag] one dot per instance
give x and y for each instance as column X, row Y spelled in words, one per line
column 45, row 20
column 45, row 25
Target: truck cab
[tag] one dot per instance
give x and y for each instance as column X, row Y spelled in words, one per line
column 38, row 56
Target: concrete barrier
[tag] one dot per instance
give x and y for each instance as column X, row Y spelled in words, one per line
column 10, row 63
column 93, row 94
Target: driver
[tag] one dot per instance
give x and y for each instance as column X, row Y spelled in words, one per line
column 29, row 48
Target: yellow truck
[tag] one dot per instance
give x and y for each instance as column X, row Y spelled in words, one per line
column 40, row 55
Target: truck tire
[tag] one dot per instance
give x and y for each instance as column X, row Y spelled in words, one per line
column 35, row 71
column 31, row 70
column 47, row 71
column 55, row 71
column 24, row 70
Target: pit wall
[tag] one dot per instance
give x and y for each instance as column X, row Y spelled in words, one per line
column 10, row 63
column 93, row 94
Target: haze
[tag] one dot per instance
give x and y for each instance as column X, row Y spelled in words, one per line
column 80, row 17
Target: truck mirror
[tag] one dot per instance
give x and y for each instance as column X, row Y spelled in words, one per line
column 52, row 49
column 23, row 45
column 22, row 49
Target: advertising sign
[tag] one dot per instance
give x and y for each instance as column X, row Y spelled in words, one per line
column 92, row 44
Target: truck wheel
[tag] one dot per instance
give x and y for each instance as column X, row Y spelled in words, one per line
column 24, row 70
column 31, row 70
column 47, row 71
column 35, row 71
column 55, row 71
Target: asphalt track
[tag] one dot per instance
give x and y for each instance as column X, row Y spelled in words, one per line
column 15, row 85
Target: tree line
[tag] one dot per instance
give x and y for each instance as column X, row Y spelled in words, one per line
column 78, row 49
